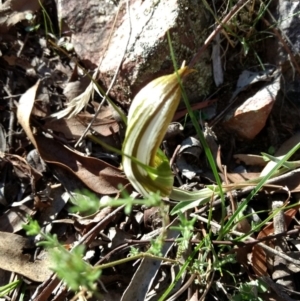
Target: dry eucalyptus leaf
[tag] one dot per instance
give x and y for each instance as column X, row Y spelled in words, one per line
column 190, row 146
column 24, row 110
column 73, row 128
column 75, row 87
column 292, row 182
column 49, row 214
column 96, row 174
column 12, row 258
column 241, row 177
column 79, row 102
column 22, row 168
column 250, row 159
column 288, row 145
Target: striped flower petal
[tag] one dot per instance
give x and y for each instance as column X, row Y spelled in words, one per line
column 151, row 111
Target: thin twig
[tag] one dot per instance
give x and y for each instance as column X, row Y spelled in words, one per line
column 262, row 245
column 89, row 236
column 12, row 116
column 220, row 242
column 183, row 288
column 173, row 166
column 113, row 79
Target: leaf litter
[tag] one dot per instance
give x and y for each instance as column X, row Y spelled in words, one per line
column 47, row 191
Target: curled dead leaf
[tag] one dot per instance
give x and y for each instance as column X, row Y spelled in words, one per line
column 96, row 174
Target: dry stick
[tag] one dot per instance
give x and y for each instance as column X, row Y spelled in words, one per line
column 11, row 115
column 174, row 167
column 208, row 286
column 23, row 45
column 183, row 288
column 279, row 224
column 14, row 96
column 89, row 236
column 108, row 255
column 113, row 79
column 262, row 245
column 229, row 16
column 44, row 290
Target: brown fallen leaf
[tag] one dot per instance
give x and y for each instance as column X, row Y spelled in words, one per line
column 24, row 111
column 241, row 177
column 250, row 159
column 75, row 85
column 96, row 174
column 12, row 258
column 73, row 128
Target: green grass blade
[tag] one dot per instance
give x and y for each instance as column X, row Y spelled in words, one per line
column 261, row 183
column 200, row 134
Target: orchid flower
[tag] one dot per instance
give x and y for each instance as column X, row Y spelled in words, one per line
column 151, row 111
column 144, row 163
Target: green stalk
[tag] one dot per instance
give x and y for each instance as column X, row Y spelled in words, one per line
column 181, row 271
column 200, row 135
